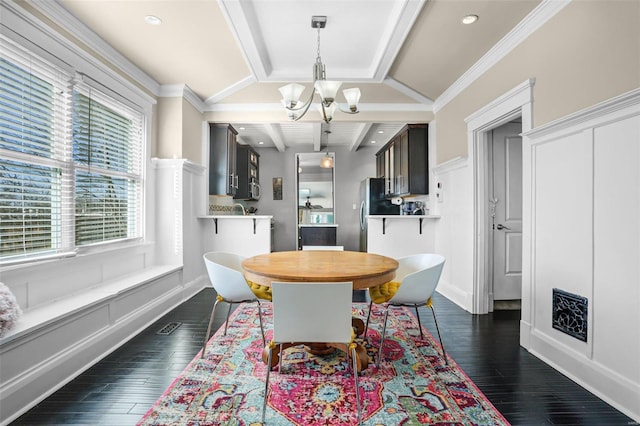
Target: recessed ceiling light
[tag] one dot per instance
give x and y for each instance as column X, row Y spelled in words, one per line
column 153, row 20
column 373, row 141
column 240, row 128
column 260, row 143
column 381, row 131
column 469, row 19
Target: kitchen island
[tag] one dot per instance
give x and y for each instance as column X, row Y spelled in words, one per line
column 246, row 235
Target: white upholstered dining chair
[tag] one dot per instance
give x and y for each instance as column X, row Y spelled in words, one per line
column 312, row 313
column 227, row 279
column 416, row 280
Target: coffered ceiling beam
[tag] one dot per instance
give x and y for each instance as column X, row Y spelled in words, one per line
column 276, row 136
column 361, row 133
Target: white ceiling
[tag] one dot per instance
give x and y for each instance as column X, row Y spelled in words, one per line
column 233, row 55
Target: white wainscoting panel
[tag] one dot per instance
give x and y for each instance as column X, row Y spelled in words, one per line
column 582, row 184
column 454, row 230
column 563, row 226
column 617, row 247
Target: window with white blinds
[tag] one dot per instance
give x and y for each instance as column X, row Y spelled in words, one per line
column 107, row 142
column 70, row 161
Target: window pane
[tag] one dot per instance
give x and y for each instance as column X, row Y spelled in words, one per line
column 26, row 111
column 104, row 205
column 102, row 137
column 29, row 208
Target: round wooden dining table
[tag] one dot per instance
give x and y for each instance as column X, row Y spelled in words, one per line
column 364, row 270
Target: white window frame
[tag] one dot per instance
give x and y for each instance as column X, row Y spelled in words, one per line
column 66, row 232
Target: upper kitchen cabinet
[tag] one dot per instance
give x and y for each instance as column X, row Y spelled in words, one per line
column 247, row 169
column 379, row 166
column 223, row 178
column 403, row 162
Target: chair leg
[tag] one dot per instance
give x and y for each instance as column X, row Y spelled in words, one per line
column 260, row 318
column 206, row 337
column 384, row 330
column 266, row 384
column 366, row 326
column 419, row 323
column 444, row 353
column 226, row 323
column 355, row 381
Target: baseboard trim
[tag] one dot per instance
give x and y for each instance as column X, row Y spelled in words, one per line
column 611, row 387
column 456, row 295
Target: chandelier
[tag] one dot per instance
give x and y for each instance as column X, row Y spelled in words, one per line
column 327, row 89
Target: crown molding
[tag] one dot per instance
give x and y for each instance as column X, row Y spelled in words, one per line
column 63, row 17
column 395, row 84
column 62, row 51
column 534, row 20
column 182, row 91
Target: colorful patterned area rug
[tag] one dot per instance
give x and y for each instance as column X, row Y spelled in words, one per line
column 412, row 387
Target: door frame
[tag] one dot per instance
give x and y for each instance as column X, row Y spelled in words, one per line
column 518, row 102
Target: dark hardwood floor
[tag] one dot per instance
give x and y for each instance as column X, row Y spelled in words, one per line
column 120, row 388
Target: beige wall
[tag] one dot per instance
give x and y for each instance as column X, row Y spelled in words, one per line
column 587, row 53
column 191, row 133
column 169, row 128
column 179, row 130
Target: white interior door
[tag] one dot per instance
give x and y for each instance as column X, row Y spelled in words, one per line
column 506, row 202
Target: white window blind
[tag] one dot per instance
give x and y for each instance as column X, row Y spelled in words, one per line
column 34, row 116
column 70, row 161
column 107, row 153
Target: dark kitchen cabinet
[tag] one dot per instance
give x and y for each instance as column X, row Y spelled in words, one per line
column 379, row 166
column 404, row 162
column 317, row 236
column 247, row 169
column 223, row 179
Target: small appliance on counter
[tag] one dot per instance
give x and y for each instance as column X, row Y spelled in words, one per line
column 413, row 208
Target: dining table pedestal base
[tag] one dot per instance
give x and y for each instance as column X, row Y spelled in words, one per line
column 319, row 349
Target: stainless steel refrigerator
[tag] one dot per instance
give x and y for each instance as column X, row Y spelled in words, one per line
column 373, row 202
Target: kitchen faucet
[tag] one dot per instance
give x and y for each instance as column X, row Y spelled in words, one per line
column 244, row 213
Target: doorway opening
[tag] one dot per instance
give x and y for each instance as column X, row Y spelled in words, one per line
column 504, row 187
column 515, row 105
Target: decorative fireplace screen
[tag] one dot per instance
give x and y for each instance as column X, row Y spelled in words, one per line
column 570, row 314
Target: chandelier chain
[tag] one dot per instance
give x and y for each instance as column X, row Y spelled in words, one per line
column 318, row 58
